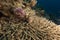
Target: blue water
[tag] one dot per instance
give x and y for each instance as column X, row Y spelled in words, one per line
column 51, row 7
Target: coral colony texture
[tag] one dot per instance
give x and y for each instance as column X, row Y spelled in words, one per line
column 18, row 21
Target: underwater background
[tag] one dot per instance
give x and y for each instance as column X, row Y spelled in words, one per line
column 52, row 8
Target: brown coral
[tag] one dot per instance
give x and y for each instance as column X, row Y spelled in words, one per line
column 30, row 3
column 37, row 27
column 33, row 2
column 8, row 6
column 41, row 29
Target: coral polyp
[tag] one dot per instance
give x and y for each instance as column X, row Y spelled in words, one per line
column 19, row 12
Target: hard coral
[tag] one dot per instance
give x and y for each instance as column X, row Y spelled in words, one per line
column 19, row 12
column 30, row 3
column 38, row 28
column 41, row 29
column 7, row 6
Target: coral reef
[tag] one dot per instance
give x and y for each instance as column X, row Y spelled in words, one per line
column 24, row 24
column 41, row 29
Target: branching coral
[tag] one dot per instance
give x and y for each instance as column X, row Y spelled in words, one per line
column 41, row 29
column 37, row 27
column 7, row 7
